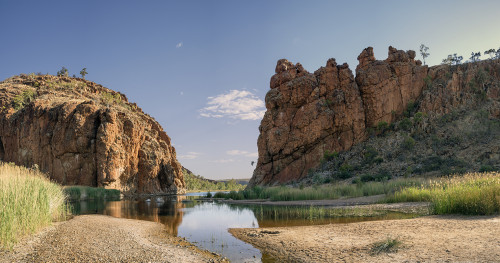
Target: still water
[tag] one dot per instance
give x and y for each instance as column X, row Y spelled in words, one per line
column 205, row 224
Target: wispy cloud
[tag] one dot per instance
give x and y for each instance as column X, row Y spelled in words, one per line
column 236, row 104
column 179, row 45
column 224, row 161
column 189, row 156
column 242, row 153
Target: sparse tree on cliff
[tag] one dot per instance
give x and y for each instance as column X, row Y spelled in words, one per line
column 423, row 52
column 457, row 59
column 475, row 57
column 498, row 53
column 63, row 72
column 491, row 52
column 448, row 60
column 83, row 72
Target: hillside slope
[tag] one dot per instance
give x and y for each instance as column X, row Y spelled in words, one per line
column 310, row 116
column 82, row 133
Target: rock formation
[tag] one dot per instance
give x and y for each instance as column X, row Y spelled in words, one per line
column 309, row 114
column 81, row 133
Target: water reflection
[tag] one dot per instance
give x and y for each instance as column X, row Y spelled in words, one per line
column 202, row 223
column 205, row 223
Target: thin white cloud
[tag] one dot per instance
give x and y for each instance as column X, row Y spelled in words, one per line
column 224, row 161
column 237, row 104
column 189, row 156
column 242, row 153
column 254, row 155
column 179, row 45
column 182, row 93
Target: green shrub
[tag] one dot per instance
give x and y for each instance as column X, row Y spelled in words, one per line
column 329, row 156
column 382, row 127
column 408, row 143
column 22, row 99
column 209, row 195
column 405, row 124
column 410, row 108
column 370, row 155
column 367, row 178
column 487, row 168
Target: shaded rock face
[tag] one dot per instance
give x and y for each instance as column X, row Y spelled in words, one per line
column 81, row 133
column 330, row 110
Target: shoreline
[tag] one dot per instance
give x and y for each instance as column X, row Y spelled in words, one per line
column 99, row 238
column 424, row 239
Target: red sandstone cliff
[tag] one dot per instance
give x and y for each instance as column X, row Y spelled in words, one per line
column 81, row 133
column 330, row 110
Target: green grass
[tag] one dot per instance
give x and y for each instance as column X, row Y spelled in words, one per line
column 28, row 202
column 284, row 193
column 469, row 194
column 78, row 193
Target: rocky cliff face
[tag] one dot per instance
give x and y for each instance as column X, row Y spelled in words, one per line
column 81, row 133
column 309, row 114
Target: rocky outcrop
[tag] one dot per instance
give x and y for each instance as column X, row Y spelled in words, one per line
column 388, row 86
column 81, row 133
column 309, row 114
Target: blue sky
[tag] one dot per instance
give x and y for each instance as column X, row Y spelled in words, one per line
column 202, row 68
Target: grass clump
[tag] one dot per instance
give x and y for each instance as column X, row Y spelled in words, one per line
column 28, row 202
column 386, row 246
column 470, row 194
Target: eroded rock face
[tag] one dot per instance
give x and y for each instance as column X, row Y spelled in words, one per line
column 330, row 110
column 388, row 86
column 81, row 133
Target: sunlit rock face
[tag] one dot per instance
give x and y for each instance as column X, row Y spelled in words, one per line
column 81, row 133
column 331, row 110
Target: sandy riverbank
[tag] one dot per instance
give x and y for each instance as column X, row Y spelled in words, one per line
column 425, row 239
column 97, row 238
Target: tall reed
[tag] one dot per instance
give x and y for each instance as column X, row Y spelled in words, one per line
column 470, row 194
column 28, row 202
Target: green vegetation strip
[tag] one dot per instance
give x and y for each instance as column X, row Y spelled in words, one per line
column 469, row 194
column 28, row 202
column 284, row 193
column 199, row 183
column 79, row 193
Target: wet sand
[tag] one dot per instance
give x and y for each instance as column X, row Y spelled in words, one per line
column 424, row 239
column 97, row 238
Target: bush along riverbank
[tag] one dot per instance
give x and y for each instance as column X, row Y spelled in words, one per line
column 327, row 191
column 468, row 194
column 81, row 193
column 28, row 202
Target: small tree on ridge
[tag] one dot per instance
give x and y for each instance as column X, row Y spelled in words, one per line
column 83, row 72
column 423, row 52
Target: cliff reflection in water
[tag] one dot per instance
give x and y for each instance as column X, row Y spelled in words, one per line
column 167, row 210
